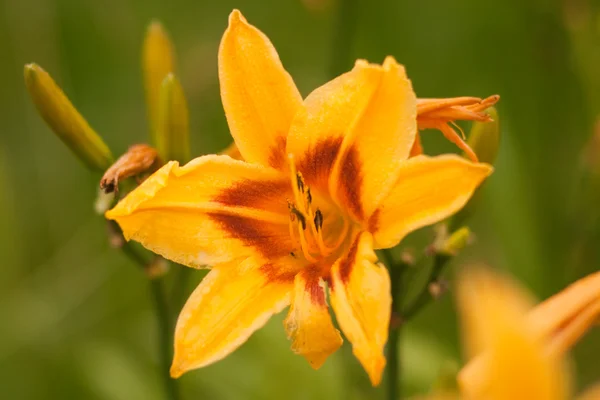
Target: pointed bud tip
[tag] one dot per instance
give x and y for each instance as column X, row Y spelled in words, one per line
column 31, row 67
column 156, row 27
column 31, row 71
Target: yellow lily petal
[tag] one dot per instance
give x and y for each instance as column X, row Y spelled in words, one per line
column 210, row 211
column 592, row 393
column 494, row 317
column 361, row 299
column 230, row 303
column 158, row 60
column 259, row 96
column 355, row 133
column 565, row 317
column 559, row 322
column 308, row 323
column 427, row 190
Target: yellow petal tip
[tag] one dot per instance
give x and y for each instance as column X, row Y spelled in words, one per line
column 375, row 370
column 236, row 17
column 390, row 62
column 361, row 63
column 176, row 369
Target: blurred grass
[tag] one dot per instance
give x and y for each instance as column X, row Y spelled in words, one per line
column 76, row 317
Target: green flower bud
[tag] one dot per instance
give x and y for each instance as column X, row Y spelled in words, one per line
column 173, row 136
column 453, row 244
column 484, row 138
column 60, row 115
column 158, row 60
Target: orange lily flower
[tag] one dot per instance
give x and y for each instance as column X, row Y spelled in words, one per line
column 519, row 349
column 325, row 181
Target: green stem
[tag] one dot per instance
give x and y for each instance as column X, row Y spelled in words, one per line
column 394, row 368
column 345, row 29
column 426, row 296
column 179, row 294
column 164, row 321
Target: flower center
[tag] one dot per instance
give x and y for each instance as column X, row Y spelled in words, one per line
column 307, row 222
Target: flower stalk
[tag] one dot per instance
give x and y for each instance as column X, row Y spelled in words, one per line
column 162, row 309
column 394, row 366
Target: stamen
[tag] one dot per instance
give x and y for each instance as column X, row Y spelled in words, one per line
column 462, row 133
column 305, row 249
column 318, row 220
column 342, row 236
column 300, row 182
column 311, row 240
column 301, row 218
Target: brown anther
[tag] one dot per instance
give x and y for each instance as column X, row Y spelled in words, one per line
column 308, row 196
column 300, row 182
column 139, row 158
column 294, row 212
column 318, row 220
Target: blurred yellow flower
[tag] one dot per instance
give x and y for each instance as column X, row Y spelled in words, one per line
column 325, row 181
column 519, row 349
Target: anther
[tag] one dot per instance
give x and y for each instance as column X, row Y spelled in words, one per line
column 318, row 220
column 300, row 182
column 308, row 196
column 299, row 215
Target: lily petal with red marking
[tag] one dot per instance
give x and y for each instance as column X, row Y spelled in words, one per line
column 230, row 304
column 362, row 125
column 210, row 211
column 259, row 96
column 362, row 301
column 308, row 323
column 428, row 190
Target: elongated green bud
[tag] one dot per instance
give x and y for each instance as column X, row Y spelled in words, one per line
column 64, row 120
column 158, row 60
column 484, row 138
column 173, row 136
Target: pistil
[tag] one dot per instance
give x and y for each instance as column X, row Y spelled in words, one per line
column 307, row 222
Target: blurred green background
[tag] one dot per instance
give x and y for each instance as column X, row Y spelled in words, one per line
column 76, row 317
